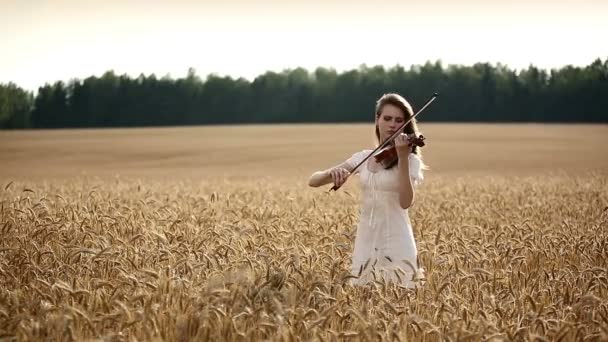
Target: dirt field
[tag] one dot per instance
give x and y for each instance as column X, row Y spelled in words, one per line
column 294, row 150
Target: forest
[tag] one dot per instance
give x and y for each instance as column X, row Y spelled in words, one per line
column 482, row 92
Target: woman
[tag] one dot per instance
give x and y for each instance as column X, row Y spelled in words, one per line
column 384, row 244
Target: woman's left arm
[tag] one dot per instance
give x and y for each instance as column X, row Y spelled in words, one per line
column 406, row 189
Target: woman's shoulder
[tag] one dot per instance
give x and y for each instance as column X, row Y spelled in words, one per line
column 414, row 157
column 417, row 160
column 363, row 153
column 358, row 157
column 416, row 168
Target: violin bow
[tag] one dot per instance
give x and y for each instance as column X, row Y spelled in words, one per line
column 387, row 141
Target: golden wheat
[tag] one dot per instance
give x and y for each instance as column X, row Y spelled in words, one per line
column 505, row 258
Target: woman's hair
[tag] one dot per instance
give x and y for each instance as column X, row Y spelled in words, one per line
column 399, row 102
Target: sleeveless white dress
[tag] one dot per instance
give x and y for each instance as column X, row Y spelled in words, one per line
column 384, row 243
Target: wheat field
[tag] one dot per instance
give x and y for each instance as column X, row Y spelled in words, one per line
column 210, row 233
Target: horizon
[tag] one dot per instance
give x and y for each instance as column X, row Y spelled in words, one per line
column 65, row 40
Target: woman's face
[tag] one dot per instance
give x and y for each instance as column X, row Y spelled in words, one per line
column 391, row 117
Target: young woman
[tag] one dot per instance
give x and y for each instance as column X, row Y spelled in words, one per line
column 384, row 244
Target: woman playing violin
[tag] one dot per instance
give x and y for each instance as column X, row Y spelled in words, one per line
column 384, row 244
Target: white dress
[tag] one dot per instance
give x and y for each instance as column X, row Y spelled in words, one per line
column 384, row 244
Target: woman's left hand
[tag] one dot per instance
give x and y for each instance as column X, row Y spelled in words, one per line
column 403, row 144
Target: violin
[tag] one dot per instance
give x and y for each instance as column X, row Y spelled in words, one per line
column 387, row 157
column 386, row 153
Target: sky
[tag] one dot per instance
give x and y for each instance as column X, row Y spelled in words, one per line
column 43, row 41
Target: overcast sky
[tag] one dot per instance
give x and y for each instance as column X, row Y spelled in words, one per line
column 46, row 41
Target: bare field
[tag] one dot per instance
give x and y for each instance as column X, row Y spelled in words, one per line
column 211, row 234
column 293, row 150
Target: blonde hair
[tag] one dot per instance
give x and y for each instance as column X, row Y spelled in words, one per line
column 401, row 103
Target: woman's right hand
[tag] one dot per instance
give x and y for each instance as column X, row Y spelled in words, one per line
column 338, row 175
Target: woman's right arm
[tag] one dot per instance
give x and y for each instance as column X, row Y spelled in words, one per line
column 336, row 174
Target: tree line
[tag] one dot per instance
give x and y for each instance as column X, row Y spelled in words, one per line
column 481, row 92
